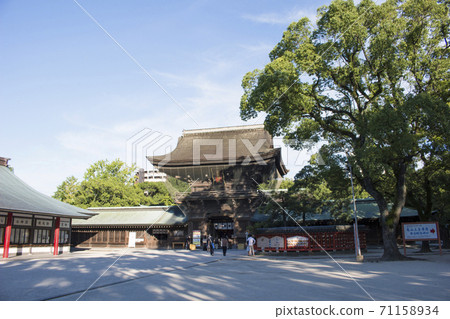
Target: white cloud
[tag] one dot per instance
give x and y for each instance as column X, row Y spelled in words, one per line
column 90, row 142
column 211, row 96
column 259, row 49
column 281, row 18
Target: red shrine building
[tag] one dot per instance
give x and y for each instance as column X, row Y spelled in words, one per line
column 223, row 167
column 31, row 222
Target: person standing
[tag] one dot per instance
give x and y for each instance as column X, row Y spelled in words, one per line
column 188, row 242
column 224, row 243
column 204, row 243
column 210, row 244
column 250, row 242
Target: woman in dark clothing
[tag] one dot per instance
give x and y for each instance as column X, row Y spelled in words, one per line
column 224, row 243
column 210, row 244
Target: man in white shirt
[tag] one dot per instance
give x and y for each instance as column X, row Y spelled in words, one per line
column 250, row 242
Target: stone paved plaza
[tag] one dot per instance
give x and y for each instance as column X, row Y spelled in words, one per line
column 158, row 275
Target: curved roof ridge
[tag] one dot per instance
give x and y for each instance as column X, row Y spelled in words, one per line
column 17, row 196
column 224, row 129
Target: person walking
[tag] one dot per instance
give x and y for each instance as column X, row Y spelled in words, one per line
column 204, row 243
column 224, row 243
column 188, row 242
column 250, row 242
column 210, row 243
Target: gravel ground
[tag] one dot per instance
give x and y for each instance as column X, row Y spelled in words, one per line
column 160, row 275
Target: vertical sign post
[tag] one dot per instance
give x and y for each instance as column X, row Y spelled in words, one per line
column 56, row 237
column 196, row 234
column 7, row 238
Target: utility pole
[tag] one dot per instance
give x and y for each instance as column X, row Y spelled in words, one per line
column 359, row 256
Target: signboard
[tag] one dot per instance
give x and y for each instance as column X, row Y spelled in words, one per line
column 423, row 231
column 44, row 223
column 420, row 232
column 64, row 224
column 221, row 226
column 22, row 221
column 262, row 242
column 297, row 242
column 196, row 235
column 273, row 242
column 132, row 239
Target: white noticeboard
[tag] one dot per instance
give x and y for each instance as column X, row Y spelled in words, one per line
column 420, row 232
column 297, row 242
column 276, row 242
column 132, row 239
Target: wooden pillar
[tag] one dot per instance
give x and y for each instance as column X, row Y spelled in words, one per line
column 7, row 238
column 56, row 237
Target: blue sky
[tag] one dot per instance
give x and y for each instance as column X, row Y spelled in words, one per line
column 70, row 96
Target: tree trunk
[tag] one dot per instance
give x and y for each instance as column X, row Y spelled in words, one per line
column 425, row 247
column 443, row 231
column 389, row 223
column 390, row 219
column 391, row 251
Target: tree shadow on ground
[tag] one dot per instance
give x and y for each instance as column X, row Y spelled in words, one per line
column 169, row 275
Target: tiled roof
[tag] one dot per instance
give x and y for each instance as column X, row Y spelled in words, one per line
column 365, row 209
column 17, row 196
column 134, row 216
column 219, row 146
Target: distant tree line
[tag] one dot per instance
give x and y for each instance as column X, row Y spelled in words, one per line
column 112, row 184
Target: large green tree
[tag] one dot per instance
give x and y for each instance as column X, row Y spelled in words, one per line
column 322, row 186
column 328, row 184
column 111, row 184
column 280, row 200
column 67, row 191
column 353, row 80
column 429, row 183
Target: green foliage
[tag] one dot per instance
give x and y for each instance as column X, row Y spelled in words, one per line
column 105, row 170
column 316, row 189
column 106, row 193
column 278, row 200
column 377, row 87
column 111, row 184
column 155, row 194
column 67, row 191
column 361, row 54
column 275, row 184
column 177, row 185
column 428, row 183
column 329, row 184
